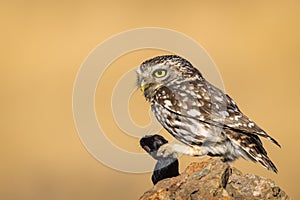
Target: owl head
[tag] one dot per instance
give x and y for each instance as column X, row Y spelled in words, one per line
column 163, row 71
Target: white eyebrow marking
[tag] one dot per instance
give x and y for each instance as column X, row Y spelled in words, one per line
column 138, row 70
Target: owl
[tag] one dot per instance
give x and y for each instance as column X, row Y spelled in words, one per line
column 202, row 117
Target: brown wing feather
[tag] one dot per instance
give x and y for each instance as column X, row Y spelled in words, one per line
column 210, row 105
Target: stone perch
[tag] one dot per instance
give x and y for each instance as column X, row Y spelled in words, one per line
column 213, row 179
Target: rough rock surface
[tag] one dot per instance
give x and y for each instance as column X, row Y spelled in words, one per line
column 213, row 179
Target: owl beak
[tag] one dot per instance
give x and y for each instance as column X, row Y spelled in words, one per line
column 144, row 85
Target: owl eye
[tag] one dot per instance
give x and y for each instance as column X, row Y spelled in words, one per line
column 159, row 73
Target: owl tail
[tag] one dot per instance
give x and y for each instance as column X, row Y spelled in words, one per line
column 267, row 163
column 256, row 152
column 252, row 149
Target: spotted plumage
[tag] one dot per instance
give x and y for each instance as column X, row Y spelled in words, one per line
column 199, row 114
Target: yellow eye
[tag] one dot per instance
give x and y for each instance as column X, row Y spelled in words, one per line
column 159, row 73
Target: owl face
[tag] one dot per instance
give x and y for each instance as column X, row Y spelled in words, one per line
column 162, row 71
column 154, row 75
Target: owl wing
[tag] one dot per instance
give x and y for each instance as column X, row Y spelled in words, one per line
column 209, row 104
column 234, row 118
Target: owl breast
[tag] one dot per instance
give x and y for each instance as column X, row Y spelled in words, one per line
column 186, row 129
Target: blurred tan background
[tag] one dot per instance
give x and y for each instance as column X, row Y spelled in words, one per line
column 43, row 43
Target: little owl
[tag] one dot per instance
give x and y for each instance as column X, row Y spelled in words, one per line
column 201, row 116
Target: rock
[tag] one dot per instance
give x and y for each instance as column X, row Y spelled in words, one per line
column 214, row 179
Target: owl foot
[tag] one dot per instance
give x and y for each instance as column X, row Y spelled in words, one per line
column 176, row 150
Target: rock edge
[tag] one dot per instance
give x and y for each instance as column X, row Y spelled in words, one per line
column 214, row 179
